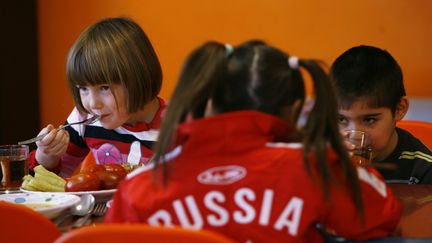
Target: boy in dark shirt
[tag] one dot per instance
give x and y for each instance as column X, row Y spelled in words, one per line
column 371, row 95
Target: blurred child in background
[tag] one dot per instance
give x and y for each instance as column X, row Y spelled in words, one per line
column 229, row 160
column 371, row 94
column 114, row 73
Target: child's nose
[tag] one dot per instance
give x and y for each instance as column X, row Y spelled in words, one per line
column 355, row 126
column 94, row 102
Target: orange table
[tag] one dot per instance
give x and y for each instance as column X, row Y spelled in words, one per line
column 416, row 218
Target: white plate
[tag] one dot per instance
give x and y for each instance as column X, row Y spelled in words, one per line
column 100, row 196
column 46, row 203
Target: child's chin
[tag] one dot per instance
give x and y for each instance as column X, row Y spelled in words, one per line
column 107, row 126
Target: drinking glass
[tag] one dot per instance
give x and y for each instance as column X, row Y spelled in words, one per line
column 362, row 151
column 14, row 166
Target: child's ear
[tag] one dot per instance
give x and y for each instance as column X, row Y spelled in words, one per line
column 401, row 108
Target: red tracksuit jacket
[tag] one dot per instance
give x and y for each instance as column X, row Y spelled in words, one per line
column 230, row 177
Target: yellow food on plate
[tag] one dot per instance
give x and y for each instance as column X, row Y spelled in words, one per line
column 131, row 167
column 44, row 181
column 37, row 206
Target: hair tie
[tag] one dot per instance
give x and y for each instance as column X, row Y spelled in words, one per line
column 229, row 49
column 293, row 62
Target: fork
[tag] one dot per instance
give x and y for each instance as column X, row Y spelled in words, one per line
column 40, row 137
column 99, row 210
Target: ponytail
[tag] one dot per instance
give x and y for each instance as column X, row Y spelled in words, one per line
column 321, row 128
column 201, row 72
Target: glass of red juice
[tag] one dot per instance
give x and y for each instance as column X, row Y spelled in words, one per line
column 14, row 166
column 362, row 150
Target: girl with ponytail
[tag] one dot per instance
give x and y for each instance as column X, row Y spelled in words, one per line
column 231, row 159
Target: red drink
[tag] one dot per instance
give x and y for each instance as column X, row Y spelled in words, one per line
column 13, row 166
column 362, row 157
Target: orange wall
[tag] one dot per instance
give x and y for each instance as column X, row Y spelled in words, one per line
column 307, row 28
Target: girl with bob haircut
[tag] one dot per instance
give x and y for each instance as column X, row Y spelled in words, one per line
column 230, row 158
column 113, row 72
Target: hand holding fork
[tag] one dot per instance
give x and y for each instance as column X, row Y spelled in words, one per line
column 41, row 136
column 52, row 143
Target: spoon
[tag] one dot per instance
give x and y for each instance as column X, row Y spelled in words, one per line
column 84, row 207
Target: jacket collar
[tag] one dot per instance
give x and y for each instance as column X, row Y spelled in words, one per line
column 232, row 131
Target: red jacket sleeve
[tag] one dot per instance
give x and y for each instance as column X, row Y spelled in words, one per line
column 382, row 209
column 120, row 211
column 33, row 163
column 32, row 160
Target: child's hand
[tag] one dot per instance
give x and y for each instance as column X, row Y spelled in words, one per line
column 348, row 144
column 52, row 146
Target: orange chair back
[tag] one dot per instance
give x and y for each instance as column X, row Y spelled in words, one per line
column 21, row 224
column 421, row 129
column 134, row 233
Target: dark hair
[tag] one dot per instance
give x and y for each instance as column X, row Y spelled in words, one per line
column 115, row 51
column 256, row 76
column 370, row 73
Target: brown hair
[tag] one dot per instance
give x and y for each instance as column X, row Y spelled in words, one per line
column 256, row 76
column 115, row 51
column 367, row 72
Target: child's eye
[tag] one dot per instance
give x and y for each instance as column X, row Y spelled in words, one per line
column 342, row 120
column 81, row 88
column 370, row 120
column 104, row 88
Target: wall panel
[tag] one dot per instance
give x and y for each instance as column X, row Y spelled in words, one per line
column 307, row 28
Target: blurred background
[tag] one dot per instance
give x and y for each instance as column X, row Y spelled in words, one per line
column 37, row 34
